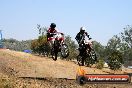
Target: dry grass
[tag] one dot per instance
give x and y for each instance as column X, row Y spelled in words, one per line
column 5, row 81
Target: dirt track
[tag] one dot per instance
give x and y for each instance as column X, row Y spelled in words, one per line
column 33, row 71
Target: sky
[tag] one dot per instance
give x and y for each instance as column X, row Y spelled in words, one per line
column 101, row 18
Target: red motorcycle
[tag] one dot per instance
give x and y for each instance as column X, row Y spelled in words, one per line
column 59, row 46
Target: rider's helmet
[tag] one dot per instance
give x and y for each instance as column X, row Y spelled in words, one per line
column 52, row 25
column 82, row 29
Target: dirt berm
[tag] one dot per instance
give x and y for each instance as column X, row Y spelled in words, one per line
column 22, row 70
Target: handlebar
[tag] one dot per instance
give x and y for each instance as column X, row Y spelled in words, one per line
column 83, row 38
column 56, row 33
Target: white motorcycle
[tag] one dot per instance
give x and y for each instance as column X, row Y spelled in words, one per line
column 87, row 54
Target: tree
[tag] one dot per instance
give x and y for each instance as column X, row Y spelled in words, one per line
column 41, row 45
column 99, row 49
column 115, row 60
column 34, row 46
column 122, row 43
column 115, row 43
column 42, row 30
column 14, row 44
column 114, row 54
column 126, row 37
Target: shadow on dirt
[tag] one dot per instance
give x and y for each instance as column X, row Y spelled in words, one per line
column 47, row 78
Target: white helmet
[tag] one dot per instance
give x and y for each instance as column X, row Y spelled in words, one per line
column 82, row 29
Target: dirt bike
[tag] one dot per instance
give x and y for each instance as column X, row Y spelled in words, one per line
column 59, row 46
column 87, row 55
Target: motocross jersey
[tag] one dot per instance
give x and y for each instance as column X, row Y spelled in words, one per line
column 79, row 36
column 50, row 35
column 52, row 30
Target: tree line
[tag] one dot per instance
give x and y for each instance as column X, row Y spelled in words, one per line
column 16, row 45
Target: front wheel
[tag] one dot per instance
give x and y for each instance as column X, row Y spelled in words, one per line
column 80, row 60
column 55, row 50
column 54, row 54
column 64, row 51
column 91, row 58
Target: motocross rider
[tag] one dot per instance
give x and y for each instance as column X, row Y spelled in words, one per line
column 50, row 32
column 79, row 37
